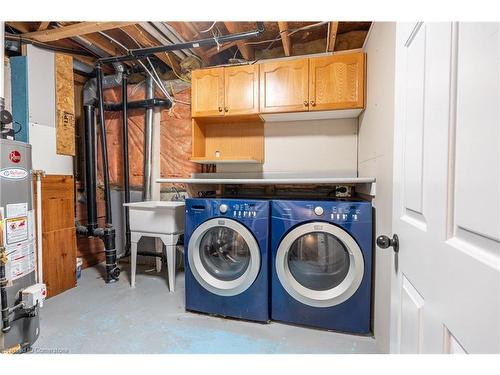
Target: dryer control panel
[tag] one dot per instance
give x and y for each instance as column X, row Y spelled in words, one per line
column 333, row 211
column 336, row 211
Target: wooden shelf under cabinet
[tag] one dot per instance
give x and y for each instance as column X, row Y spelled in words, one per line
column 228, row 141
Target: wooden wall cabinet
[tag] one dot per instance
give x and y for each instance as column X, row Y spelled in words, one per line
column 284, row 86
column 336, row 82
column 227, row 91
column 314, row 84
column 207, row 94
column 241, row 89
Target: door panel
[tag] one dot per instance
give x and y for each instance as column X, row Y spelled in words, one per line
column 336, row 82
column 241, row 90
column 414, row 134
column 446, row 208
column 477, row 131
column 412, row 305
column 284, row 86
column 207, row 92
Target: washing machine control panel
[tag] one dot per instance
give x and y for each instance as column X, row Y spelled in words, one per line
column 244, row 211
column 241, row 210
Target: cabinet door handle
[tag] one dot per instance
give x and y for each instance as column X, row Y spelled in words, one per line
column 220, row 109
column 306, row 103
column 226, row 109
column 313, row 103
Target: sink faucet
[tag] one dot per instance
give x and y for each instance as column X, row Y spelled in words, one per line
column 177, row 196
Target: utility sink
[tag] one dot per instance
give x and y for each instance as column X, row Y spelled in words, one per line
column 159, row 217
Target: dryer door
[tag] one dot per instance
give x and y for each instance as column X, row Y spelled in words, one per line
column 224, row 256
column 319, row 264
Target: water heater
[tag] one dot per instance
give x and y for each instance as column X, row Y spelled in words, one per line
column 20, row 294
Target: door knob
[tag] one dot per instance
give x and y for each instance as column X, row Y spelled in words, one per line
column 384, row 242
column 306, row 103
column 313, row 103
column 220, row 109
column 226, row 109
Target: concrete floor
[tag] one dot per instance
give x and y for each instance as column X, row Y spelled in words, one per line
column 99, row 318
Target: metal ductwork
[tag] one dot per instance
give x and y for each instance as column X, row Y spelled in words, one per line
column 109, row 81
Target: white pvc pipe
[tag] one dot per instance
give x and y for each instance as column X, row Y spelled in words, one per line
column 2, row 51
column 39, row 238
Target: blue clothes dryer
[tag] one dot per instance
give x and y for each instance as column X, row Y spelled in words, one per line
column 227, row 258
column 322, row 264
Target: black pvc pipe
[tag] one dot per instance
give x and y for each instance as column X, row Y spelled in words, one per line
column 104, row 149
column 142, row 104
column 90, row 173
column 140, row 53
column 126, row 181
column 5, row 304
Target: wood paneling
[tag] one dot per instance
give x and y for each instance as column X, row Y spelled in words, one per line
column 284, row 86
column 65, row 105
column 241, row 94
column 59, row 260
column 58, row 233
column 336, row 82
column 207, row 92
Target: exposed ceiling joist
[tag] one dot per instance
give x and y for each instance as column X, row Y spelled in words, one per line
column 246, row 51
column 188, row 32
column 98, row 40
column 214, row 50
column 332, row 35
column 81, row 28
column 145, row 40
column 21, row 26
column 285, row 38
column 43, row 25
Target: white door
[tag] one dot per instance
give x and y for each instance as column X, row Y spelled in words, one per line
column 446, row 284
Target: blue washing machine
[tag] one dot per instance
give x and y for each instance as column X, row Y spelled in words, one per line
column 322, row 264
column 227, row 262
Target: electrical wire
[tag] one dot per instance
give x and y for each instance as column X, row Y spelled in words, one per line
column 207, row 30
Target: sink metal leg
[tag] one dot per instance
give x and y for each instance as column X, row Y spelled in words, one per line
column 134, row 239
column 170, row 241
column 159, row 250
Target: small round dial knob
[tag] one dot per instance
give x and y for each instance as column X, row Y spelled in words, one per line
column 318, row 210
column 223, row 208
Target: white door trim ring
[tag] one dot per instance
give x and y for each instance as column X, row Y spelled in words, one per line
column 211, row 283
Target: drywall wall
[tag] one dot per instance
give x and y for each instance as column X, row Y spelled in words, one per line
column 375, row 158
column 42, row 113
column 328, row 146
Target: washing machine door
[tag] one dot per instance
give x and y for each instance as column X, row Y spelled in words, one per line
column 319, row 264
column 224, row 256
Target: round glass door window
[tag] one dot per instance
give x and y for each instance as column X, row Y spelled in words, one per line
column 318, row 261
column 319, row 264
column 224, row 253
column 223, row 256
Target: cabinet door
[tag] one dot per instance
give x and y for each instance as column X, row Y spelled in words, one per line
column 241, row 90
column 337, row 82
column 284, row 86
column 207, row 92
